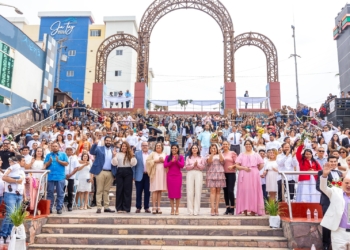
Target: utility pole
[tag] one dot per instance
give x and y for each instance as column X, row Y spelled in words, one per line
column 296, row 65
column 60, row 47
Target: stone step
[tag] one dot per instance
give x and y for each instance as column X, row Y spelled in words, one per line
column 159, row 240
column 166, row 203
column 121, row 247
column 161, row 230
column 76, row 217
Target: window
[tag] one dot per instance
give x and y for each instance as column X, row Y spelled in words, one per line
column 95, row 32
column 6, row 65
column 70, row 73
column 2, row 99
column 119, row 52
column 118, row 73
column 72, row 52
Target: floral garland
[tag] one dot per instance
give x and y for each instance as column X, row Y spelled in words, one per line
column 335, row 183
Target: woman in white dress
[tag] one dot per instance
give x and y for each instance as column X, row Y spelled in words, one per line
column 166, row 150
column 272, row 173
column 85, row 179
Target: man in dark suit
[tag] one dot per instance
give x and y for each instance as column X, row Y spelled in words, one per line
column 102, row 169
column 346, row 141
column 324, row 201
column 141, row 178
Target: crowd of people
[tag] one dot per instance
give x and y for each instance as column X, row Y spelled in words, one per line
column 89, row 151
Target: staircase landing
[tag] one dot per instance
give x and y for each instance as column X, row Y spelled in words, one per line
column 84, row 229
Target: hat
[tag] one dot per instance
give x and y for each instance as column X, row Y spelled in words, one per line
column 70, row 147
column 273, row 134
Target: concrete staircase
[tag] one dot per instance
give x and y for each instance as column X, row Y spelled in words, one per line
column 113, row 231
column 84, row 229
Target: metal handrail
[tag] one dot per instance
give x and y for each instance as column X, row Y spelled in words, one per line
column 43, row 173
column 284, row 173
column 54, row 115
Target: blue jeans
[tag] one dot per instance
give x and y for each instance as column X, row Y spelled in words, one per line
column 12, row 201
column 173, row 143
column 59, row 185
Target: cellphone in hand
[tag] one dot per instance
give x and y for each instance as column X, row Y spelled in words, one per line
column 87, row 180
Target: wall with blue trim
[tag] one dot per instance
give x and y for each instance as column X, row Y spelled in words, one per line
column 76, row 30
column 15, row 38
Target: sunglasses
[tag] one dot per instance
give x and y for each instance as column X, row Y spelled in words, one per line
column 321, row 151
column 342, row 152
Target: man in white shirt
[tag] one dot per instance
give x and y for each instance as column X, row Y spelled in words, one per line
column 27, row 157
column 235, row 139
column 287, row 161
column 145, row 131
column 70, row 131
column 263, row 173
column 266, row 135
column 328, row 134
column 132, row 139
column 71, row 170
column 140, row 140
column 70, row 142
column 43, row 107
column 273, row 143
column 198, row 129
column 35, row 139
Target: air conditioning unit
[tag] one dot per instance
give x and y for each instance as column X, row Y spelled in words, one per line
column 7, row 101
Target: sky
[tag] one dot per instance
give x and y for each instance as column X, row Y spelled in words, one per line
column 186, row 51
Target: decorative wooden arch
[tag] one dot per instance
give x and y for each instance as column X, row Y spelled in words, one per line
column 159, row 8
column 106, row 47
column 266, row 45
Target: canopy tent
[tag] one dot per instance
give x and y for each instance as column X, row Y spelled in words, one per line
column 167, row 103
column 252, row 100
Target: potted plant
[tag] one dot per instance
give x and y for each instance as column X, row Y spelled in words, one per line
column 18, row 233
column 274, row 210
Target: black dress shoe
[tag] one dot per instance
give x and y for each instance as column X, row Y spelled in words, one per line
column 108, row 210
column 70, row 209
column 50, row 211
column 59, row 211
column 232, row 211
column 227, row 211
column 93, row 205
column 98, row 210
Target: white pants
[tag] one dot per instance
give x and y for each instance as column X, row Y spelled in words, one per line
column 340, row 239
column 194, row 183
column 204, row 152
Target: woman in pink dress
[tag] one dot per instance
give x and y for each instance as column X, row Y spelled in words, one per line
column 249, row 193
column 216, row 179
column 174, row 162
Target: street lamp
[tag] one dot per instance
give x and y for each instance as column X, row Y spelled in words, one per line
column 296, row 65
column 16, row 9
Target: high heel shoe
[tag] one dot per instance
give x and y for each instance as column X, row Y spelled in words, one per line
column 172, row 212
column 159, row 211
column 212, row 213
column 177, row 213
column 217, row 212
column 154, row 211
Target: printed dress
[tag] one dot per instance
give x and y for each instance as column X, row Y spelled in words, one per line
column 216, row 174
